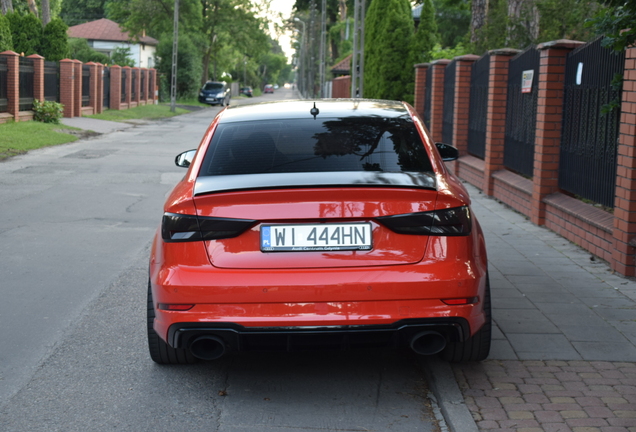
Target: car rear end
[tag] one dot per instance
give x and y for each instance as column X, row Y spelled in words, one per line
column 331, row 225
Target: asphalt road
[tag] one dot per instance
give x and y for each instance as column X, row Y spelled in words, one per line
column 76, row 223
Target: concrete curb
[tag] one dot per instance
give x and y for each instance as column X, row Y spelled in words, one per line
column 444, row 386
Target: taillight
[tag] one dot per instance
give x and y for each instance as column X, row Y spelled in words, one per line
column 187, row 228
column 447, row 222
column 461, row 301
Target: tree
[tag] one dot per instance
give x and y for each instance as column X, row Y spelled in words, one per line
column 6, row 6
column 425, row 37
column 453, row 21
column 188, row 66
column 122, row 57
column 6, row 41
column 387, row 53
column 26, row 32
column 54, row 45
column 80, row 50
column 616, row 23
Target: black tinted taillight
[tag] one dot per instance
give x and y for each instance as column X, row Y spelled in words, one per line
column 448, row 222
column 186, row 228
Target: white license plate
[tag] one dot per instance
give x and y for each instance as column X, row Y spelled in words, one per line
column 210, row 99
column 316, row 237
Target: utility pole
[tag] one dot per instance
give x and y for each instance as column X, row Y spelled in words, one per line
column 175, row 45
column 301, row 67
column 323, row 47
column 357, row 59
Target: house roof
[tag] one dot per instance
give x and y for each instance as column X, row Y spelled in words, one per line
column 106, row 30
column 343, row 67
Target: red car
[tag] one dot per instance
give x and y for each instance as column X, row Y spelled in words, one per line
column 269, row 88
column 317, row 225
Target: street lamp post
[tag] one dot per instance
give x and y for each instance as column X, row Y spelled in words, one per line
column 301, row 68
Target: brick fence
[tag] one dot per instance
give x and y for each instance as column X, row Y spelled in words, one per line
column 610, row 235
column 70, row 87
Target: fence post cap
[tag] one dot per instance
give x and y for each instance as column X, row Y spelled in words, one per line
column 467, row 57
column 9, row 53
column 504, row 51
column 422, row 65
column 91, row 63
column 560, row 43
column 66, row 61
column 441, row 62
column 35, row 56
column 115, row 66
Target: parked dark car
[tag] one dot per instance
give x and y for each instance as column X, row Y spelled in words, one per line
column 247, row 91
column 215, row 93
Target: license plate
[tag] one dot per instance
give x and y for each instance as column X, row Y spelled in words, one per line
column 210, row 99
column 316, row 237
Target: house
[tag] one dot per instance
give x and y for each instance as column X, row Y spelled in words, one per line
column 105, row 36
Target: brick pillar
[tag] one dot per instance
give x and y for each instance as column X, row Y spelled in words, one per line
column 38, row 76
column 137, row 72
column 67, row 87
column 93, row 99
column 99, row 91
column 127, row 71
column 547, row 142
column 496, row 115
column 153, row 87
column 115, row 87
column 77, row 96
column 420, row 87
column 624, row 254
column 13, row 83
column 463, row 68
column 437, row 99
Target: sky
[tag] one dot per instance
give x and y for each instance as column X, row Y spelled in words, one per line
column 284, row 7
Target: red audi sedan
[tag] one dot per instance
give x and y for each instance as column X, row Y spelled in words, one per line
column 318, row 225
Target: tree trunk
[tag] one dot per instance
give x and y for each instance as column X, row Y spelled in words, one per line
column 479, row 18
column 46, row 12
column 523, row 14
column 33, row 8
column 206, row 65
column 6, row 6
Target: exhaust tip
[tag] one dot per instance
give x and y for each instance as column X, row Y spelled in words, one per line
column 428, row 343
column 208, row 348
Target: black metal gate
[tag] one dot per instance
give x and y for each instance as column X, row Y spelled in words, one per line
column 51, row 81
column 133, row 86
column 27, row 80
column 142, row 87
column 106, row 80
column 427, row 96
column 449, row 102
column 478, row 110
column 4, row 77
column 521, row 111
column 86, row 85
column 587, row 163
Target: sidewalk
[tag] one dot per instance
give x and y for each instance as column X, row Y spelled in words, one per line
column 563, row 356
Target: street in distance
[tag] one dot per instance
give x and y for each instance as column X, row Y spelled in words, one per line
column 316, row 237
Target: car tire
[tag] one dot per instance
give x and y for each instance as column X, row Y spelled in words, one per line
column 477, row 347
column 160, row 351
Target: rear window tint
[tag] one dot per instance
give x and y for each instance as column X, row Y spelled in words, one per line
column 323, row 145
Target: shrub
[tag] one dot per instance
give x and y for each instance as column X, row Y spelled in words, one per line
column 80, row 50
column 26, row 32
column 6, row 41
column 47, row 112
column 55, row 41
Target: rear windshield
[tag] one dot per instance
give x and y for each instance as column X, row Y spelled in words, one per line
column 213, row 86
column 322, row 145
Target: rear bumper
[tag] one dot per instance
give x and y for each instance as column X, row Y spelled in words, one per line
column 240, row 338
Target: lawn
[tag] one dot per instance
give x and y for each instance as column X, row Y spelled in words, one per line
column 18, row 138
column 148, row 112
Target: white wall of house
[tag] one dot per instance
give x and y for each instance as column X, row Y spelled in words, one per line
column 142, row 54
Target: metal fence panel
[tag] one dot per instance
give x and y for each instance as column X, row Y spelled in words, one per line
column 587, row 162
column 478, row 107
column 142, row 91
column 449, row 102
column 27, row 79
column 106, row 80
column 51, row 81
column 4, row 76
column 427, row 97
column 133, row 88
column 124, row 77
column 86, row 85
column 521, row 112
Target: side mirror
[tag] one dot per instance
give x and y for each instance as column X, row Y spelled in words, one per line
column 184, row 159
column 447, row 151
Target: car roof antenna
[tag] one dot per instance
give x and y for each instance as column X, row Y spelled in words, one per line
column 314, row 111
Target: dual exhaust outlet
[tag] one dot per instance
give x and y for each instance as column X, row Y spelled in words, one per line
column 211, row 347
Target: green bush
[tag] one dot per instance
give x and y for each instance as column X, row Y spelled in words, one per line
column 54, row 45
column 26, row 32
column 47, row 112
column 80, row 50
column 6, row 41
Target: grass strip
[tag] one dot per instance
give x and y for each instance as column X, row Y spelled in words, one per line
column 148, row 112
column 18, row 138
